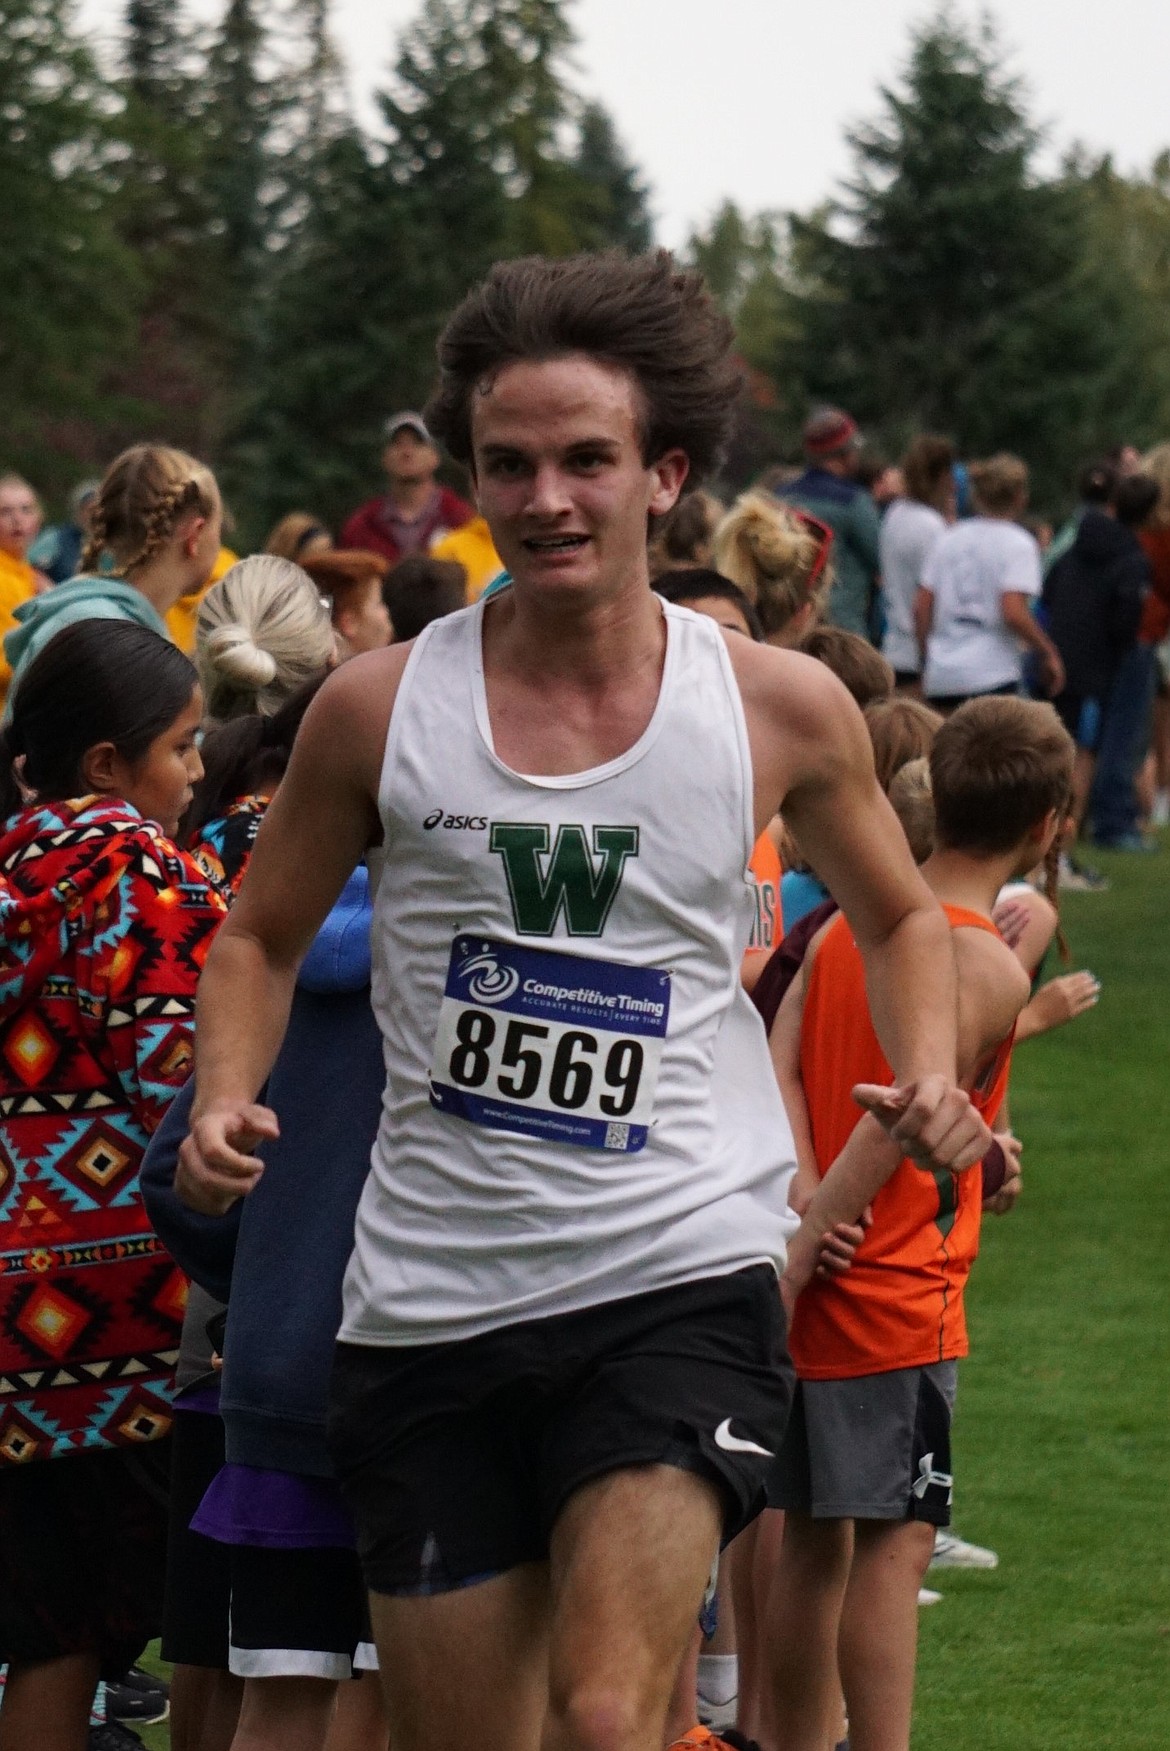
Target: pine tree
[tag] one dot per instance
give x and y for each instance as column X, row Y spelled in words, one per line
column 166, row 217
column 613, row 207
column 237, row 119
column 951, row 288
column 68, row 290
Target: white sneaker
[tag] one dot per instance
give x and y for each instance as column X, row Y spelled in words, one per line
column 928, row 1596
column 1160, row 813
column 953, row 1552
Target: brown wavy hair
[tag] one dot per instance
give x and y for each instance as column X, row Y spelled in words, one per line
column 642, row 314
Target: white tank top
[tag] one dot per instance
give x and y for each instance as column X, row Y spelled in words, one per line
column 579, row 1099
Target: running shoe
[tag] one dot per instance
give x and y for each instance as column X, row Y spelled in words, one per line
column 953, row 1552
column 1079, row 878
column 138, row 1697
column 928, row 1596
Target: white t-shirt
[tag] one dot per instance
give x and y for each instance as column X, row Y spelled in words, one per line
column 910, row 533
column 974, row 565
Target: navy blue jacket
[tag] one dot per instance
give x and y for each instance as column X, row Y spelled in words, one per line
column 278, row 1257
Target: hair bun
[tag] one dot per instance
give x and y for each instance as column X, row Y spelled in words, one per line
column 239, row 659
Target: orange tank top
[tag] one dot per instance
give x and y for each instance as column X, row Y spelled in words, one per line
column 764, row 865
column 901, row 1303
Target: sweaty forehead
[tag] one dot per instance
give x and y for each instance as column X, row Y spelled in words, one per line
column 555, row 401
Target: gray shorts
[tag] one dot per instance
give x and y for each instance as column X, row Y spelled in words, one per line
column 874, row 1448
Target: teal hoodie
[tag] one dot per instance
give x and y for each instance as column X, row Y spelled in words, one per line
column 82, row 598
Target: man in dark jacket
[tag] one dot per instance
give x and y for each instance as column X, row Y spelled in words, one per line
column 828, row 489
column 1092, row 607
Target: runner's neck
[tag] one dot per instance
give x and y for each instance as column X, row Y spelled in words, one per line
column 591, row 646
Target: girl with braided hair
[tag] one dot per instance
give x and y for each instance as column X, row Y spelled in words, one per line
column 157, row 516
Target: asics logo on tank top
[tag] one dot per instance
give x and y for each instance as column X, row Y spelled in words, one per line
column 455, row 823
column 571, row 883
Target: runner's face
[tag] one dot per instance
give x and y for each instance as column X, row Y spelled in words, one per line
column 560, row 475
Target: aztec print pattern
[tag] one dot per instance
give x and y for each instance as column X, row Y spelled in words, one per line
column 104, row 927
column 222, row 848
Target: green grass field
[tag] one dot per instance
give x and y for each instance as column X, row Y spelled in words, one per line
column 1062, row 1455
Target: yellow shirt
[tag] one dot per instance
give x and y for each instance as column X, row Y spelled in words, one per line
column 18, row 581
column 472, row 547
column 182, row 617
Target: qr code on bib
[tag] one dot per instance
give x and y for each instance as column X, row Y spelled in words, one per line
column 617, row 1136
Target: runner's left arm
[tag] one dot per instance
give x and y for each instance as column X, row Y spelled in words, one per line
column 810, row 739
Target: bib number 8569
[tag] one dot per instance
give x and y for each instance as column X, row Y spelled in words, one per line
column 522, row 1061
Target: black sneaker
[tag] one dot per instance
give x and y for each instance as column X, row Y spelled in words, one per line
column 138, row 1697
column 112, row 1737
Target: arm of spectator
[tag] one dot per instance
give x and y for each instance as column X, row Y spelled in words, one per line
column 1027, row 922
column 1018, row 618
column 784, row 1043
column 923, row 618
column 1057, row 1003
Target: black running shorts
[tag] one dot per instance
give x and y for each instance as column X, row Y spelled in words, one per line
column 456, row 1459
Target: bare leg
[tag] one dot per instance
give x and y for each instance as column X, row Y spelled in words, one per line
column 467, row 1668
column 631, row 1555
column 205, row 1708
column 359, row 1720
column 800, row 1632
column 682, row 1713
column 46, row 1706
column 1084, row 766
column 285, row 1714
column 754, row 1559
column 879, row 1630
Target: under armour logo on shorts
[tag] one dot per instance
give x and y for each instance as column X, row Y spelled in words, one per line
column 927, row 1476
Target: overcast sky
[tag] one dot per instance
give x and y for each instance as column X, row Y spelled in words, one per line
column 750, row 98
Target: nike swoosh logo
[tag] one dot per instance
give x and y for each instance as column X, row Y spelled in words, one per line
column 732, row 1444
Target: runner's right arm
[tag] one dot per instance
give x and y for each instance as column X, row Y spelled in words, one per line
column 320, row 824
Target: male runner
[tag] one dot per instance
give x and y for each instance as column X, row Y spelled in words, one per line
column 561, row 1372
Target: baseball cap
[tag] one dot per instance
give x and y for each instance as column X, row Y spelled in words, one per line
column 828, row 430
column 415, row 421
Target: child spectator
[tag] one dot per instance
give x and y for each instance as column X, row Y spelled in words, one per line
column 860, row 669
column 684, row 538
column 158, row 514
column 298, row 536
column 105, row 927
column 263, row 631
column 420, row 589
column 779, row 557
column 864, row 1472
column 352, row 581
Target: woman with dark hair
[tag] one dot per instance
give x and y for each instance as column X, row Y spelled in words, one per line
column 104, row 927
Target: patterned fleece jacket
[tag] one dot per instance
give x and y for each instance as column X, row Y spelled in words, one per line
column 104, row 927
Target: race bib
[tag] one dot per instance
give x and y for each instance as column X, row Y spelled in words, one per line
column 550, row 1045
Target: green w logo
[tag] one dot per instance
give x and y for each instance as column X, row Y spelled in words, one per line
column 572, row 879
